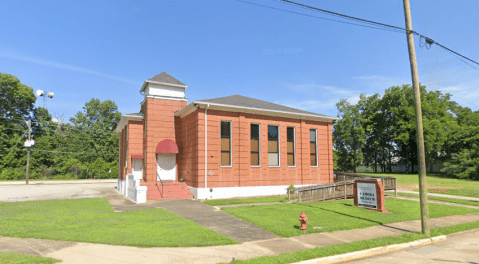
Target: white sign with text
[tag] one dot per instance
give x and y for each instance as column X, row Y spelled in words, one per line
column 367, row 195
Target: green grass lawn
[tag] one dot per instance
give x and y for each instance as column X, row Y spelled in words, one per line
column 436, row 183
column 442, row 199
column 94, row 221
column 16, row 258
column 267, row 199
column 282, row 219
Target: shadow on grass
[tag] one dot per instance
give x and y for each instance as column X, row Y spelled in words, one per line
column 357, row 217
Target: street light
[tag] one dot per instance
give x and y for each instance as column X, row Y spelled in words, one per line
column 44, row 94
column 29, row 143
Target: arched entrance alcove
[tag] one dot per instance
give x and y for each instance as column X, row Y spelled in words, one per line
column 166, row 152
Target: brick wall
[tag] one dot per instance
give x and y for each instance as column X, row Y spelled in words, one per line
column 134, row 145
column 135, row 141
column 186, row 139
column 160, row 125
column 240, row 173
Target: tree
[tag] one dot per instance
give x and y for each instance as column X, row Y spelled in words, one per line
column 400, row 104
column 462, row 150
column 99, row 115
column 389, row 127
column 63, row 149
column 17, row 99
column 464, row 165
column 94, row 129
column 437, row 122
column 17, row 102
column 349, row 136
column 377, row 148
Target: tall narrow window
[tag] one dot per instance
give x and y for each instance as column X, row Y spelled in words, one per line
column 273, row 146
column 290, row 138
column 255, row 155
column 225, row 143
column 313, row 147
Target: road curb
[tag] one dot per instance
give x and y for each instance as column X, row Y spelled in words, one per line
column 373, row 251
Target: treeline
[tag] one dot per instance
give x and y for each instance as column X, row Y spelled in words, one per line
column 86, row 147
column 380, row 131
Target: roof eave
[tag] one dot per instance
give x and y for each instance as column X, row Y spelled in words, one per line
column 162, row 83
column 124, row 121
column 188, row 109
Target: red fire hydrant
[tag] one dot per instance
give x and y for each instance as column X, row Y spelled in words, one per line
column 303, row 219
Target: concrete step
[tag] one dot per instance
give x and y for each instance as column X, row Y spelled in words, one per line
column 170, row 190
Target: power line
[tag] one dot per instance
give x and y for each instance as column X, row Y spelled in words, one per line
column 63, row 152
column 370, row 24
column 342, row 15
column 428, row 40
column 323, row 18
column 450, row 50
column 54, row 125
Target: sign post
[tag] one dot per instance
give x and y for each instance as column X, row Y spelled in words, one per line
column 369, row 193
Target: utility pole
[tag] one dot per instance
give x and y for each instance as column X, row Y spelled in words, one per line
column 28, row 152
column 420, row 137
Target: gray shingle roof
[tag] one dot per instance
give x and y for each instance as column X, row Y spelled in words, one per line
column 243, row 101
column 165, row 78
column 134, row 114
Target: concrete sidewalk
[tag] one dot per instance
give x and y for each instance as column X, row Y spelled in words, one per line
column 441, row 195
column 458, row 248
column 437, row 202
column 198, row 212
column 73, row 253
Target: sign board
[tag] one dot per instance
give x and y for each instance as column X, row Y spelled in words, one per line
column 367, row 195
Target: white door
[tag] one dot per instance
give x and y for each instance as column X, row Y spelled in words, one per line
column 166, row 167
column 137, row 168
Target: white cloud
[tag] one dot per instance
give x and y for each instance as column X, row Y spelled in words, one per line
column 464, row 93
column 321, row 99
column 315, row 88
column 64, row 66
column 379, row 83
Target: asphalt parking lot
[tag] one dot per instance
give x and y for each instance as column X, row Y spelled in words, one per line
column 55, row 190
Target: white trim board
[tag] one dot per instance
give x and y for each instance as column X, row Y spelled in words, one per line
column 230, row 192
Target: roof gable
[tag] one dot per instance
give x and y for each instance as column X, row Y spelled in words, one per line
column 165, row 78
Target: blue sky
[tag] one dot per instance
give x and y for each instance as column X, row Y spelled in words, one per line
column 106, row 49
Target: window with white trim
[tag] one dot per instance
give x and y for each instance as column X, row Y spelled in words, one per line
column 225, row 143
column 291, row 146
column 313, row 147
column 255, row 145
column 273, row 146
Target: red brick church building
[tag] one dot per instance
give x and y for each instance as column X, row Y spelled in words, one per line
column 217, row 148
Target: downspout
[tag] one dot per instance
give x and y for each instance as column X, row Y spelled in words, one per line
column 301, row 138
column 206, row 146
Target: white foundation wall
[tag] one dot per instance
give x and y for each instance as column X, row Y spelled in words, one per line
column 122, row 186
column 230, row 192
column 131, row 188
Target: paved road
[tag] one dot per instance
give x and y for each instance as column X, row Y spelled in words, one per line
column 33, row 192
column 458, row 248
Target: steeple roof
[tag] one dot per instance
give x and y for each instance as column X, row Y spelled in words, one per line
column 165, row 78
